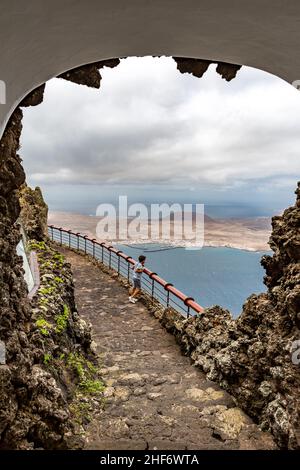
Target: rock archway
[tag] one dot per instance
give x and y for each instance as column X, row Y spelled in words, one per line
column 251, row 359
column 41, row 41
column 50, row 42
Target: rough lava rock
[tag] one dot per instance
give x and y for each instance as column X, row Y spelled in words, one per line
column 198, row 67
column 89, row 74
column 34, row 213
column 34, row 400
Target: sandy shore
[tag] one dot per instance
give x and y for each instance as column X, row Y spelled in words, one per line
column 246, row 234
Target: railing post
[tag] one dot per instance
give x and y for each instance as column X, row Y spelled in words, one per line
column 152, row 290
column 153, row 285
column 77, row 235
column 168, row 292
column 109, row 264
column 188, row 306
column 60, row 229
column 51, row 228
column 119, row 261
column 102, row 254
column 69, row 238
column 85, row 237
column 93, row 241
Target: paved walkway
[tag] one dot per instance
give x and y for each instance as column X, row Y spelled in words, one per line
column 155, row 397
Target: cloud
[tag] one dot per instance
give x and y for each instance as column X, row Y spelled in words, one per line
column 149, row 124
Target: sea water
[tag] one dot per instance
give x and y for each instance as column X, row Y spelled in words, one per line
column 212, row 276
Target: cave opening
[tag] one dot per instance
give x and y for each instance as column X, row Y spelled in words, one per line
column 258, row 365
column 129, row 141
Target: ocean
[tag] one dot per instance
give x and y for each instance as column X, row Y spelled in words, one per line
column 212, row 276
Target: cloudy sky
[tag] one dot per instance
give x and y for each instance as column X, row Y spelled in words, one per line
column 155, row 134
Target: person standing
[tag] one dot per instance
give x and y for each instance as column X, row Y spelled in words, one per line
column 138, row 269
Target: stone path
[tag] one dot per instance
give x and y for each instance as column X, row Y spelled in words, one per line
column 155, row 397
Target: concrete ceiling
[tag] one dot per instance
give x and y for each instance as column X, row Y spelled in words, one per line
column 39, row 39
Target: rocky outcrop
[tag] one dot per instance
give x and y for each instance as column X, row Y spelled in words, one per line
column 46, row 343
column 13, row 311
column 251, row 357
column 89, row 74
column 34, row 98
column 48, row 369
column 34, row 213
column 198, row 67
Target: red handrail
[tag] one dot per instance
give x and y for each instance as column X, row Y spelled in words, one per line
column 188, row 301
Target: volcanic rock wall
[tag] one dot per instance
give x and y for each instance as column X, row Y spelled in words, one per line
column 13, row 307
column 34, row 213
column 34, row 398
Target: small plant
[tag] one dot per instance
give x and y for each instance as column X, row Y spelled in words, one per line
column 47, row 359
column 92, row 387
column 86, row 373
column 46, row 264
column 91, row 367
column 81, row 412
column 62, row 320
column 59, row 258
column 43, row 326
column 76, row 362
column 58, row 280
column 46, row 290
column 43, row 301
column 34, row 245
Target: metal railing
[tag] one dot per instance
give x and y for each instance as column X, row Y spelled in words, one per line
column 156, row 287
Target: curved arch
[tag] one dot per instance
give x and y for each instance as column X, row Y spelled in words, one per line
column 40, row 42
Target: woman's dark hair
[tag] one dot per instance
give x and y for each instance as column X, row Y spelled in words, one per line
column 142, row 258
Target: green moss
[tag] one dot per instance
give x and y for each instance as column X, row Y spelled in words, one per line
column 46, row 264
column 43, row 326
column 91, row 367
column 62, row 320
column 92, row 387
column 81, row 412
column 46, row 290
column 58, row 257
column 34, row 245
column 76, row 362
column 58, row 280
column 43, row 301
column 47, row 359
column 86, row 372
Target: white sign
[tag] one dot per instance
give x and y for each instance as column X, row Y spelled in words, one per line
column 2, row 92
column 2, row 353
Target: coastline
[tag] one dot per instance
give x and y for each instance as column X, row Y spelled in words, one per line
column 242, row 234
column 173, row 245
